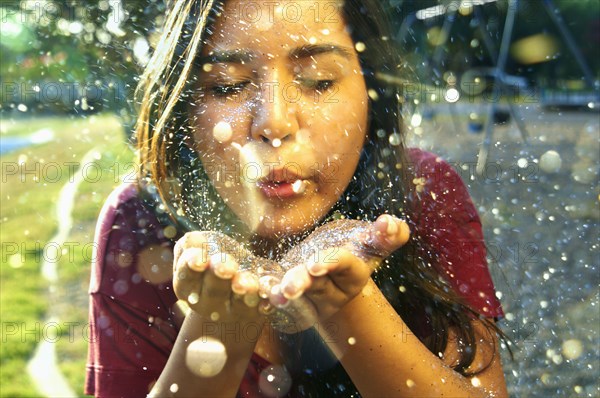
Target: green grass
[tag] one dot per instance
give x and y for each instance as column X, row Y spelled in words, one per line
column 28, row 221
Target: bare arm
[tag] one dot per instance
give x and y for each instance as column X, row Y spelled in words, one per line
column 223, row 305
column 187, row 384
column 386, row 359
column 373, row 343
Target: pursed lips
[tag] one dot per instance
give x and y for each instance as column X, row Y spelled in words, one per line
column 283, row 183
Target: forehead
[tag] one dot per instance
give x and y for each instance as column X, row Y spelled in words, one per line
column 283, row 25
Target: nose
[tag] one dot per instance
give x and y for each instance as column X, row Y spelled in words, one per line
column 275, row 118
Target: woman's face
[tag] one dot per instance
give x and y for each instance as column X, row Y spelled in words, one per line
column 280, row 112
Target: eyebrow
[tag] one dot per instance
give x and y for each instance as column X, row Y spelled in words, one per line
column 310, row 50
column 227, row 56
column 244, row 56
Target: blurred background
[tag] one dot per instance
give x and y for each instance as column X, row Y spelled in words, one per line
column 506, row 90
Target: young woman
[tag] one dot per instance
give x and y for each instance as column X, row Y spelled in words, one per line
column 265, row 122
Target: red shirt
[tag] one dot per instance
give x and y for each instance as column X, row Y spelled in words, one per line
column 132, row 328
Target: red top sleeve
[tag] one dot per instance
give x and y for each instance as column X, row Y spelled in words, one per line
column 132, row 328
column 450, row 230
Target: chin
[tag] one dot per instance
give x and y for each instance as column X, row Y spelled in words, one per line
column 281, row 226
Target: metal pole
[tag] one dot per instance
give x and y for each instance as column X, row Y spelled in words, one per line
column 571, row 43
column 499, row 73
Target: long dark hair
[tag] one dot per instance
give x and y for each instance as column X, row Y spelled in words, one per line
column 381, row 183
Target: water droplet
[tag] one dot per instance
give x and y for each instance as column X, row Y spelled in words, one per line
column 174, row 388
column 193, row 298
column 550, row 162
column 170, row 232
column 276, row 143
column 222, row 132
column 416, row 120
column 275, row 381
column 351, row 340
column 452, row 95
column 206, row 357
column 360, row 46
column 395, row 139
column 120, row 287
column 475, row 382
column 373, row 94
column 572, row 349
column 299, row 186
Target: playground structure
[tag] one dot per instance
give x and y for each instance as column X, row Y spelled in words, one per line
column 502, row 82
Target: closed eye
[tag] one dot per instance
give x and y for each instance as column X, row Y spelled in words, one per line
column 224, row 90
column 317, row 84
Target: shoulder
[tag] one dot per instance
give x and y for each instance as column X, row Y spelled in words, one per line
column 126, row 224
column 124, row 196
column 435, row 169
column 439, row 188
column 449, row 230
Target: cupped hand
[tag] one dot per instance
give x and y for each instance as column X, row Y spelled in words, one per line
column 323, row 285
column 212, row 283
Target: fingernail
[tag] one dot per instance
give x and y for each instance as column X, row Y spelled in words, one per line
column 392, row 227
column 291, row 290
column 316, row 269
column 223, row 266
column 238, row 288
column 194, row 259
column 277, row 298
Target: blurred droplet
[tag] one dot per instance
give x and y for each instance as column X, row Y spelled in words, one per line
column 222, row 132
column 550, row 162
column 193, row 298
column 522, row 163
column 395, row 139
column 572, row 349
column 206, row 357
column 275, row 381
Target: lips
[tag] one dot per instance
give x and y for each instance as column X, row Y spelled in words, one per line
column 282, row 183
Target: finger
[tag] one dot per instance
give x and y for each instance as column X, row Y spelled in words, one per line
column 193, row 258
column 187, row 282
column 344, row 268
column 265, row 284
column 294, row 282
column 329, row 260
column 277, row 298
column 244, row 282
column 223, row 265
column 194, row 239
column 388, row 233
column 217, row 280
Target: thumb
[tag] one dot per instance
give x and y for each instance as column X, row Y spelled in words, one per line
column 387, row 234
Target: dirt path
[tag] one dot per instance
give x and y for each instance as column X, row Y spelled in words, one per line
column 43, row 367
